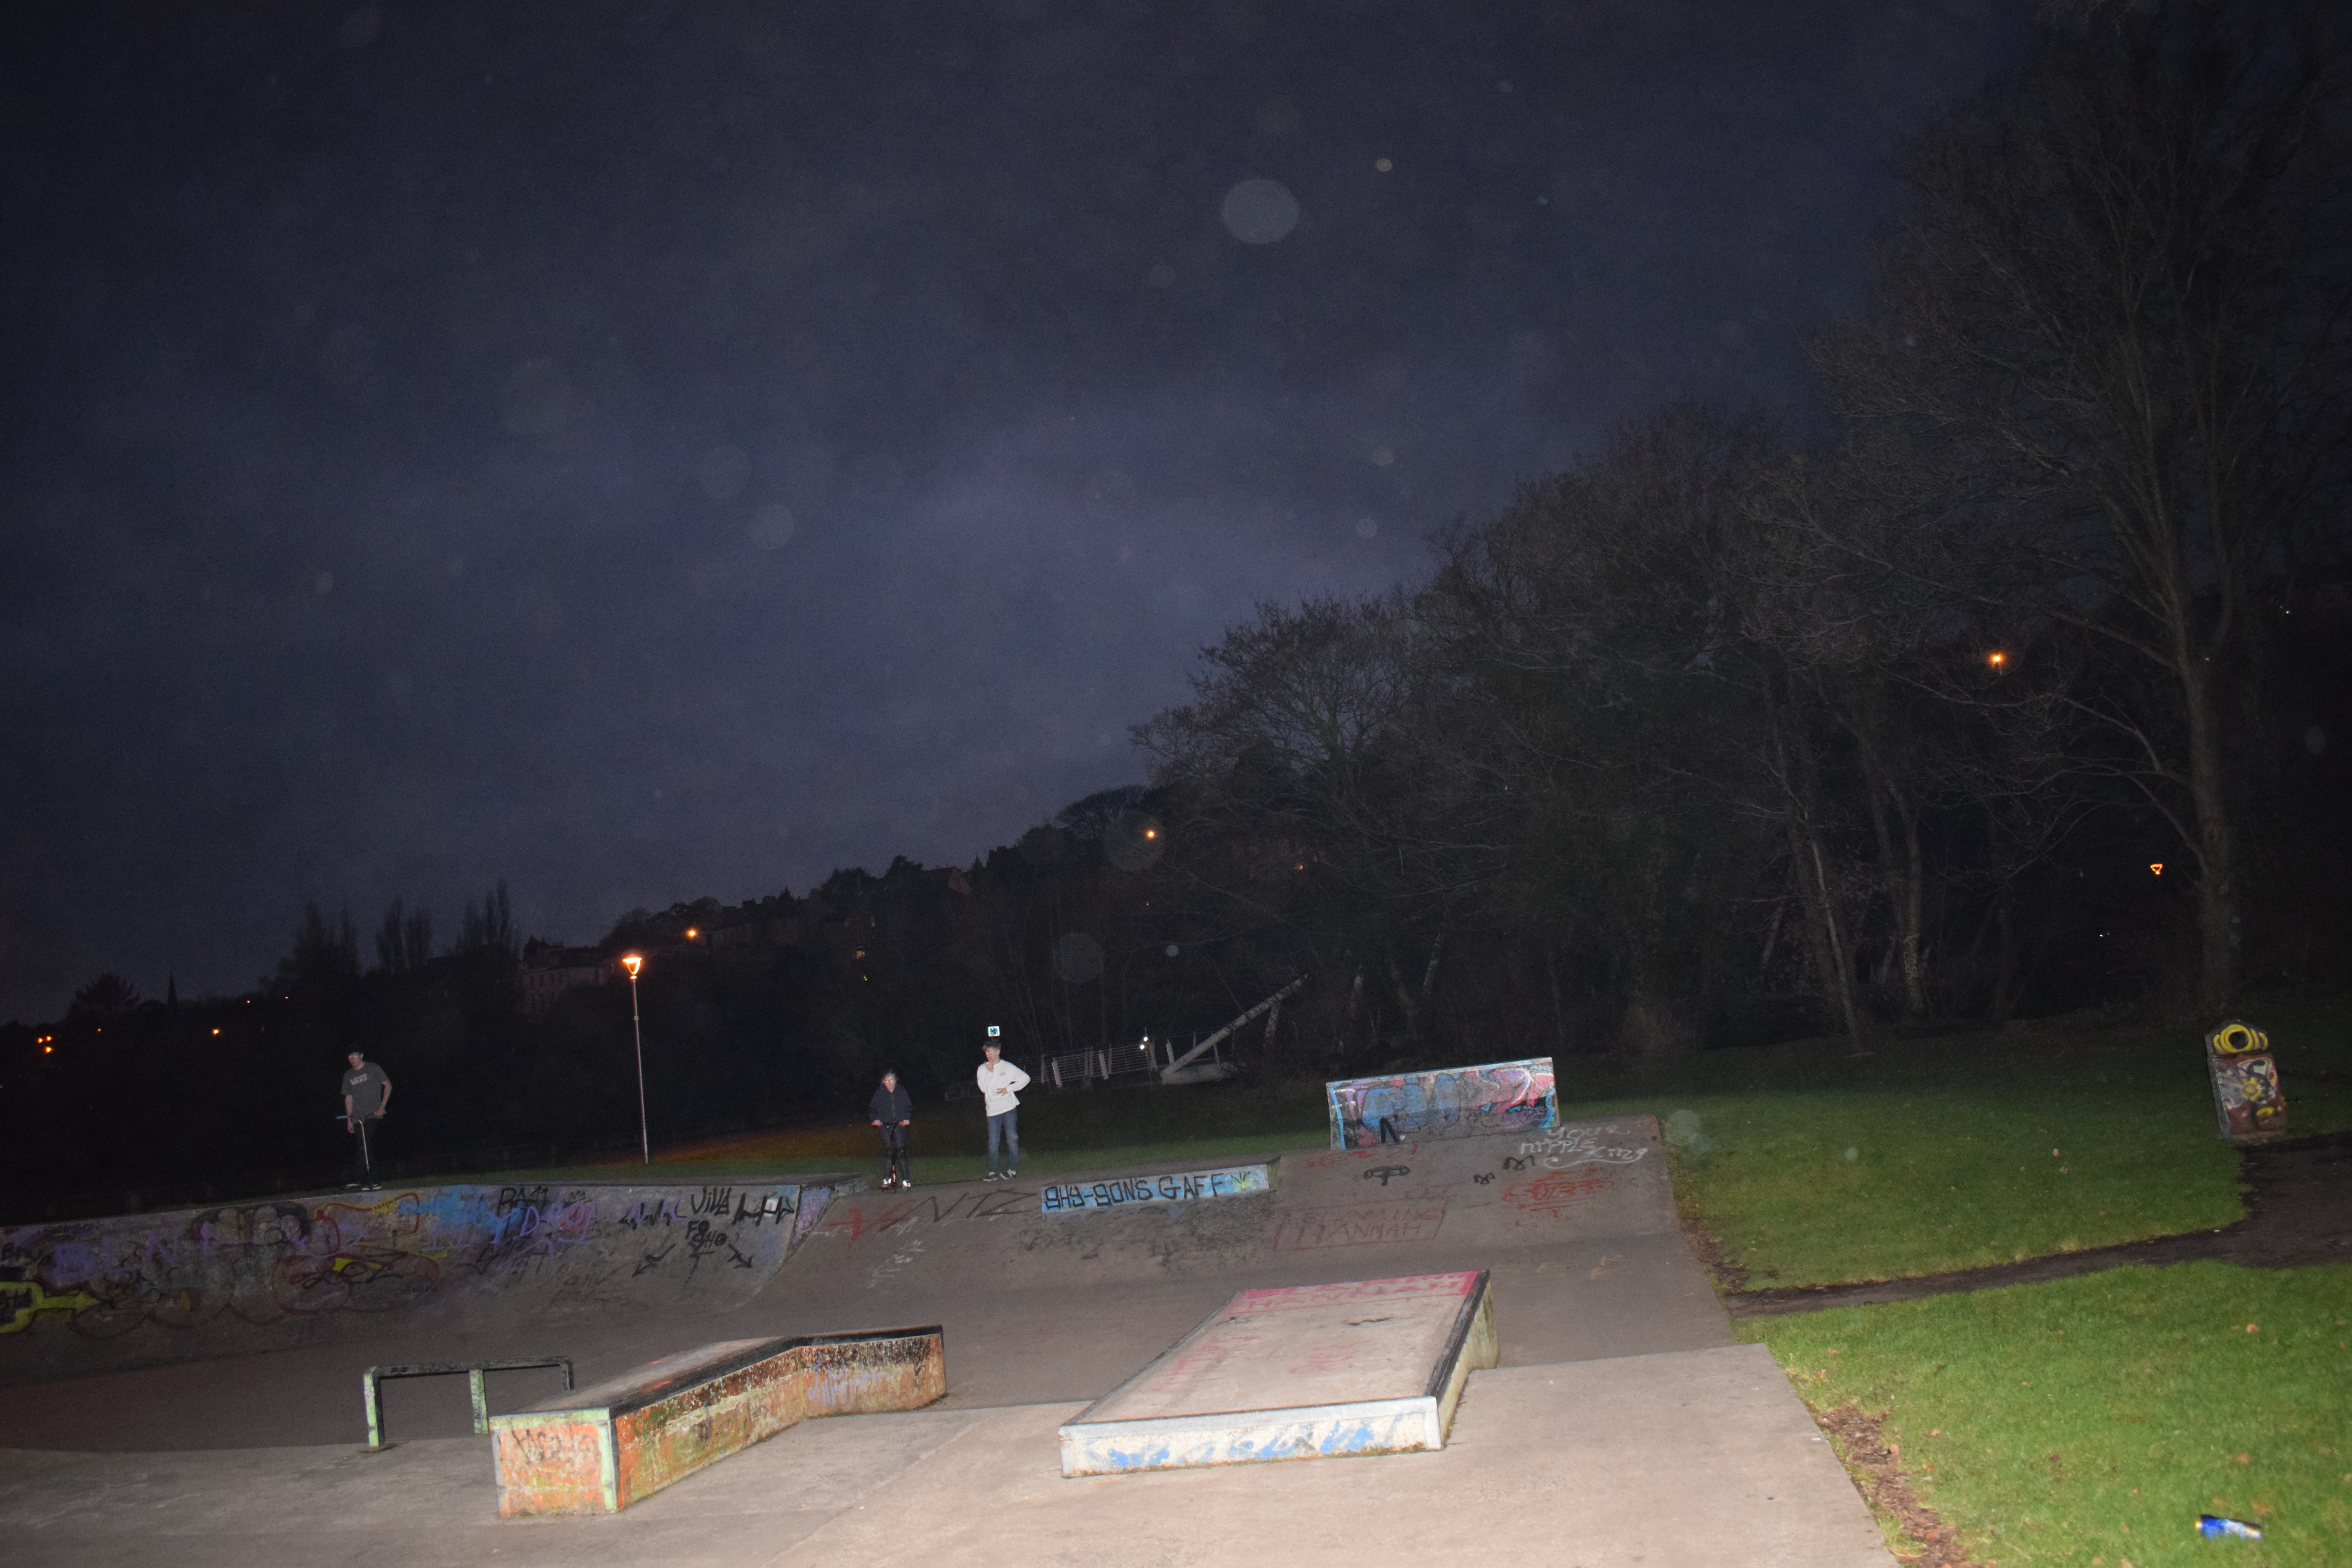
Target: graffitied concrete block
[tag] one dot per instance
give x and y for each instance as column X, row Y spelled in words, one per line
column 1448, row 1102
column 1371, row 1366
column 598, row 1449
column 1135, row 1192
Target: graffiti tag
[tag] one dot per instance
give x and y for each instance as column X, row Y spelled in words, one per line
column 1551, row 1195
column 1577, row 1147
column 1308, row 1230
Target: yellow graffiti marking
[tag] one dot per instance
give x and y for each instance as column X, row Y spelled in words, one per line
column 20, row 1300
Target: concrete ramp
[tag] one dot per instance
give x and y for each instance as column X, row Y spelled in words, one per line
column 1618, row 1384
column 1370, row 1366
column 144, row 1289
column 1509, row 1194
column 1575, row 1224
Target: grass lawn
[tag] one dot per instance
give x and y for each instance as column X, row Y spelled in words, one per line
column 1873, row 1184
column 1066, row 1130
column 2089, row 1421
column 1959, row 1150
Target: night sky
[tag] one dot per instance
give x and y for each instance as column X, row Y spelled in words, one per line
column 655, row 450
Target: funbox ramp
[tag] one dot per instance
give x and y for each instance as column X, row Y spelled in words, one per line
column 1368, row 1366
column 102, row 1295
column 1399, row 1209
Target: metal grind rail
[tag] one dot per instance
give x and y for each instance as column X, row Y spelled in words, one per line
column 476, row 1381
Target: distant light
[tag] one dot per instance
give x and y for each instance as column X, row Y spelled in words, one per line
column 1151, row 833
column 215, row 1031
column 1997, row 658
column 692, row 933
column 2155, row 867
column 46, row 1050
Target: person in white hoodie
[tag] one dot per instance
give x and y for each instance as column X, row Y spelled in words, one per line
column 998, row 1081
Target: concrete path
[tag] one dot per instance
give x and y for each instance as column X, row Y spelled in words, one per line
column 1685, row 1460
column 1622, row 1427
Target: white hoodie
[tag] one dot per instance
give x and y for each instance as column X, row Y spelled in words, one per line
column 997, row 1081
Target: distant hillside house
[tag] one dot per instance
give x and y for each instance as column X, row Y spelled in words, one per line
column 551, row 971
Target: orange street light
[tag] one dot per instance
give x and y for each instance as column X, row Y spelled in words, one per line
column 692, row 933
column 2155, row 867
column 633, row 961
column 1997, row 658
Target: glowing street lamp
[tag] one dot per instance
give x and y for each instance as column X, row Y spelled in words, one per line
column 633, row 962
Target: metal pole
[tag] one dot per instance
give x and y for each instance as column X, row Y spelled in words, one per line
column 638, row 1028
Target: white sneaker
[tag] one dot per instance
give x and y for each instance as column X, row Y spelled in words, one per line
column 903, row 1185
column 1010, row 1174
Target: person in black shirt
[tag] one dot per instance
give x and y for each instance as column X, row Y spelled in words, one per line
column 367, row 1091
column 892, row 1110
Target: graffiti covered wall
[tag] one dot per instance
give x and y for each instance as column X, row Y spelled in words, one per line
column 1446, row 1102
column 100, row 1295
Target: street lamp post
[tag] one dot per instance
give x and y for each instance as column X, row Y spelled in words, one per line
column 633, row 962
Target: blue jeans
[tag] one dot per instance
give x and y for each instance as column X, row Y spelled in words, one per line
column 1004, row 1130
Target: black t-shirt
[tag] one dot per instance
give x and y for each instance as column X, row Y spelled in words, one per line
column 365, row 1086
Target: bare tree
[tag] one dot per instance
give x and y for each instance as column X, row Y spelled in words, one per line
column 1621, row 720
column 403, row 943
column 1303, row 762
column 2113, row 291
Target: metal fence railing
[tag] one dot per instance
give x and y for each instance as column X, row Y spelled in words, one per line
column 1103, row 1064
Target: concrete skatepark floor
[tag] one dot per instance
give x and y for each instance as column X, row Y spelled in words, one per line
column 1622, row 1427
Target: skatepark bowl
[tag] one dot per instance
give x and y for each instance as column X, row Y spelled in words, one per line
column 186, row 1388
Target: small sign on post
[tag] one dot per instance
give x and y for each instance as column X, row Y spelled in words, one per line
column 2247, row 1099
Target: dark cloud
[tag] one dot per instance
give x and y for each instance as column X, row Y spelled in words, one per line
column 648, row 451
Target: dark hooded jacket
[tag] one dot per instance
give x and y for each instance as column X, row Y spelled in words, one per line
column 891, row 1106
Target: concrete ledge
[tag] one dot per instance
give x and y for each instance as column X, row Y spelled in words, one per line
column 1404, row 1347
column 599, row 1449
